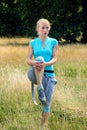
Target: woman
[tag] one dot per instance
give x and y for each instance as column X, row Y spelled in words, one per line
column 47, row 48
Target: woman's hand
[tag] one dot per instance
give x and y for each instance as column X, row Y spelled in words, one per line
column 39, row 66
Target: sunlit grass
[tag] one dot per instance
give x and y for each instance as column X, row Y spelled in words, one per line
column 14, row 41
column 13, row 55
column 73, row 52
column 69, row 106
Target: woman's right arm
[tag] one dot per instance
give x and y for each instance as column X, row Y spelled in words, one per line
column 35, row 64
column 29, row 56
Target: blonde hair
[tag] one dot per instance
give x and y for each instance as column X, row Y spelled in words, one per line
column 42, row 20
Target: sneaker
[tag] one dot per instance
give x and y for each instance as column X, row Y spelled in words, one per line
column 41, row 94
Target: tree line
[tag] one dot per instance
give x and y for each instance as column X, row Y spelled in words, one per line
column 68, row 18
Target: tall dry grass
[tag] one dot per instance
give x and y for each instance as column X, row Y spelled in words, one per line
column 73, row 52
column 13, row 55
column 69, row 106
column 14, row 41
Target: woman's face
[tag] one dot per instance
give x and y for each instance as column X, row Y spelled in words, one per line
column 43, row 29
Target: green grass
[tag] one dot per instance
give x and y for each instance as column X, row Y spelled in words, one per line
column 69, row 105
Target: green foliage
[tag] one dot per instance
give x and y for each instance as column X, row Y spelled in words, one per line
column 10, row 21
column 70, row 71
column 84, row 71
column 84, row 21
column 65, row 121
column 68, row 18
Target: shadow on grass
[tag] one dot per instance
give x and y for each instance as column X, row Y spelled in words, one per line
column 14, row 44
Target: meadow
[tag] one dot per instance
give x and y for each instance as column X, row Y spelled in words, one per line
column 69, row 104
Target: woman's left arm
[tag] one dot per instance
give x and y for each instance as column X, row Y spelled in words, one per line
column 54, row 58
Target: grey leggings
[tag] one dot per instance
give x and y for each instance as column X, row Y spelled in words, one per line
column 48, row 85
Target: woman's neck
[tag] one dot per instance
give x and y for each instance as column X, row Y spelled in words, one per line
column 43, row 39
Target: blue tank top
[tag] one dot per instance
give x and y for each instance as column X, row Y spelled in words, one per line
column 45, row 52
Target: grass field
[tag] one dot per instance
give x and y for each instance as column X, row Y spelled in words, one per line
column 69, row 105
